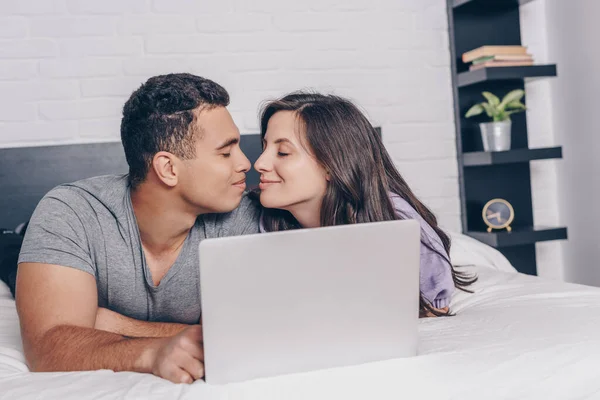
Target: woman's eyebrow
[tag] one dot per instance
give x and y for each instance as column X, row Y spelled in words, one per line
column 280, row 140
column 283, row 140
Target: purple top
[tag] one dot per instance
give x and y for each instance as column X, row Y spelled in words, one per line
column 435, row 276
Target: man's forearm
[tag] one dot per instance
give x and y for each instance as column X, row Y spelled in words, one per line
column 111, row 321
column 73, row 348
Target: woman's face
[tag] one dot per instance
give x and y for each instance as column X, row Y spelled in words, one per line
column 290, row 176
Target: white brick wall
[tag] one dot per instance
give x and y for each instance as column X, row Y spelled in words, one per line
column 67, row 66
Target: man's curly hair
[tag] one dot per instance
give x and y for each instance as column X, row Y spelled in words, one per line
column 160, row 116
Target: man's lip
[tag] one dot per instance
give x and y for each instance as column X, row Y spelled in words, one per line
column 240, row 182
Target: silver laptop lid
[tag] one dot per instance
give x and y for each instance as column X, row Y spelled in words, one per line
column 308, row 299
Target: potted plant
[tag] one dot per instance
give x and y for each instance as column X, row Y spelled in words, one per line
column 496, row 134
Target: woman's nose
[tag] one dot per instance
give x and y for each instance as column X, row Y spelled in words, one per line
column 262, row 164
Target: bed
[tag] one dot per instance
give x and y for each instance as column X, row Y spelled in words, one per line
column 516, row 337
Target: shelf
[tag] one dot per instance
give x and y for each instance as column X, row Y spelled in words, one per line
column 459, row 3
column 487, row 175
column 518, row 236
column 499, row 73
column 483, row 158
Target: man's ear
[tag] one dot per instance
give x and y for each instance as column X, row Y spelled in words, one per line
column 165, row 167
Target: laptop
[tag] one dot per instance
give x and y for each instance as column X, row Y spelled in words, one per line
column 309, row 299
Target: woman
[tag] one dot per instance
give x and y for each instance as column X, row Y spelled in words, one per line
column 323, row 164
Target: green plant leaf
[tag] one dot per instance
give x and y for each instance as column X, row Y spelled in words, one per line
column 491, row 98
column 514, row 112
column 516, row 105
column 501, row 116
column 514, row 95
column 489, row 109
column 473, row 111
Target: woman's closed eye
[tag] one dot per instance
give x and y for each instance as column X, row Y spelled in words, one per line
column 280, row 154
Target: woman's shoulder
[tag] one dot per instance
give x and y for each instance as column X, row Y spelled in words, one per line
column 405, row 211
column 403, row 207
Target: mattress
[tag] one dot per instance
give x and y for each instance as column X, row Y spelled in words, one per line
column 516, row 337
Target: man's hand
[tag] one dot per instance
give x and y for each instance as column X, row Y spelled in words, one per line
column 180, row 359
column 110, row 321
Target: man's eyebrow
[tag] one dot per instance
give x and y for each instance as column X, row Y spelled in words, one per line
column 228, row 142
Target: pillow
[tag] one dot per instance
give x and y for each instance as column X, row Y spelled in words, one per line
column 468, row 251
column 5, row 291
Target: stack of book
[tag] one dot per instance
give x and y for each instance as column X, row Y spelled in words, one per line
column 497, row 56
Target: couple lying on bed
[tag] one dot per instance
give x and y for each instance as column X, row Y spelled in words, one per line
column 108, row 272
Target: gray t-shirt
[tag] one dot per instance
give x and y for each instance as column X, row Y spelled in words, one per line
column 90, row 225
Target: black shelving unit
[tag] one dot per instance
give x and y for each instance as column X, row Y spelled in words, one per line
column 487, row 175
column 520, row 236
column 481, row 158
column 493, row 3
column 492, row 74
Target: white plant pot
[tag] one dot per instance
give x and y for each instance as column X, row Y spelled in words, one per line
column 496, row 135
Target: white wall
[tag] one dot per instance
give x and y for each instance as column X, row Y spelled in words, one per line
column 67, row 67
column 572, row 34
column 542, row 133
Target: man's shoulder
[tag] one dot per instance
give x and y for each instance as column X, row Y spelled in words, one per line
column 103, row 189
column 96, row 185
column 86, row 202
column 70, row 221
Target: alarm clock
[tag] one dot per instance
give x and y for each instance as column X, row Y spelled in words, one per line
column 498, row 214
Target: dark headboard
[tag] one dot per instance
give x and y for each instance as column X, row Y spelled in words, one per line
column 28, row 173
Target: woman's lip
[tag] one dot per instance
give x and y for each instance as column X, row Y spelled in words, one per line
column 265, row 184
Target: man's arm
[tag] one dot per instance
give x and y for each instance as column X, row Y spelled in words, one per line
column 110, row 321
column 57, row 309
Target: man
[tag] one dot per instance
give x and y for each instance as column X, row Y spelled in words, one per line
column 108, row 272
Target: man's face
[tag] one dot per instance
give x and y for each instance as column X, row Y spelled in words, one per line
column 214, row 181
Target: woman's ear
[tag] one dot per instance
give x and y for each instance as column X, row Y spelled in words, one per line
column 165, row 167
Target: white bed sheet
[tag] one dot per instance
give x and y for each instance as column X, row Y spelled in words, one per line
column 517, row 337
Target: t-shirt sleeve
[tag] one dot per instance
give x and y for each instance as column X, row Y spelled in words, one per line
column 435, row 275
column 56, row 235
column 244, row 220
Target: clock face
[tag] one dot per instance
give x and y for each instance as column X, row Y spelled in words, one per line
column 498, row 213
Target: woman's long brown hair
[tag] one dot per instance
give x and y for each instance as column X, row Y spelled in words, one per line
column 362, row 173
